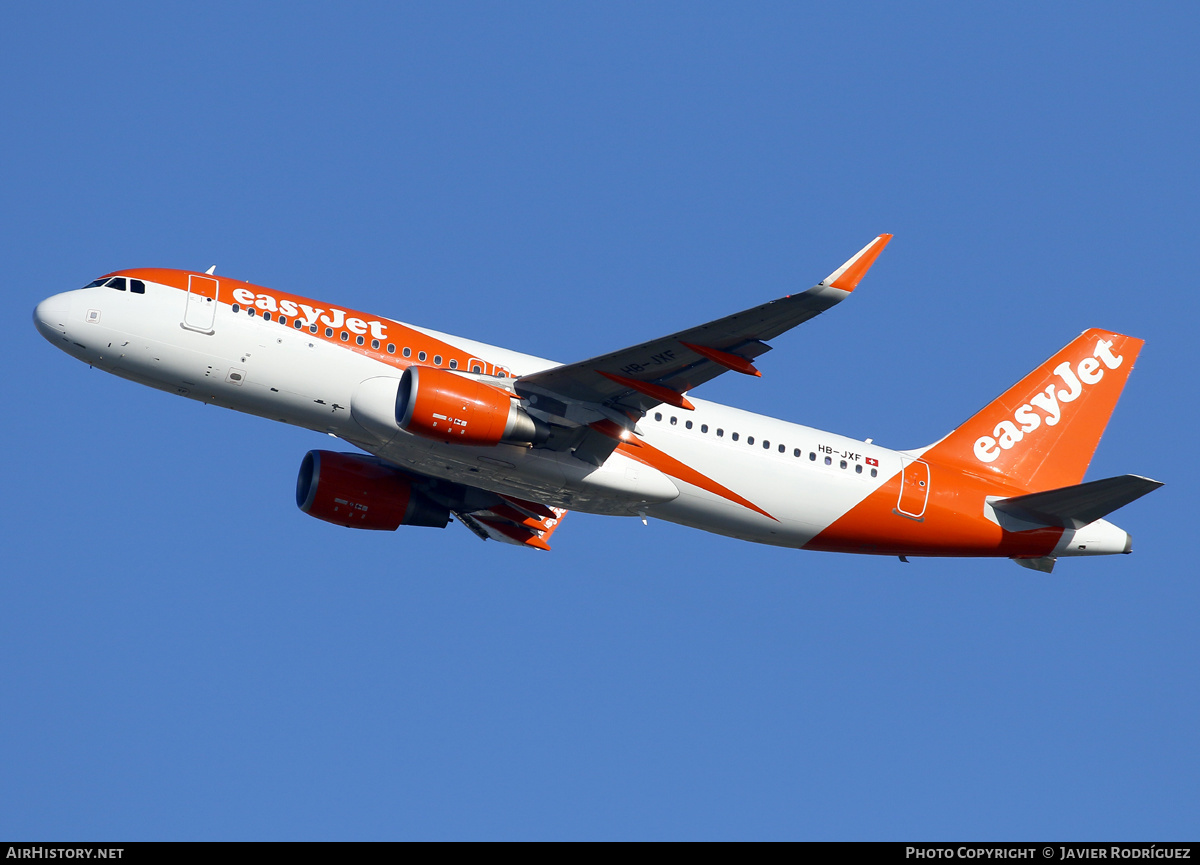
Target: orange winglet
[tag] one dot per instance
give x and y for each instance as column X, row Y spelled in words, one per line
column 735, row 362
column 654, row 391
column 849, row 274
column 615, row 431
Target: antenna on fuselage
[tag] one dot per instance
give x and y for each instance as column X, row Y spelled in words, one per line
column 211, row 270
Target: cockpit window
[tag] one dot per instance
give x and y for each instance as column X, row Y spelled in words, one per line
column 137, row 286
column 117, row 282
column 96, row 283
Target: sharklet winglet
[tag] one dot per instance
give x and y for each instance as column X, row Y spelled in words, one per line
column 848, row 276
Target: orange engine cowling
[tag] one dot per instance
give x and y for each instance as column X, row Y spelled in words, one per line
column 441, row 405
column 362, row 493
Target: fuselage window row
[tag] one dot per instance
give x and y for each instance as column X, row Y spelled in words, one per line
column 342, row 335
column 138, row 287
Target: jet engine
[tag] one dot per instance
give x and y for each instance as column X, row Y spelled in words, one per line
column 361, row 492
column 438, row 404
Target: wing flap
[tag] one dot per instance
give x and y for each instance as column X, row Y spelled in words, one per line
column 510, row 524
column 491, row 515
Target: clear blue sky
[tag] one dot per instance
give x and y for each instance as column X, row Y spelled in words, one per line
column 184, row 654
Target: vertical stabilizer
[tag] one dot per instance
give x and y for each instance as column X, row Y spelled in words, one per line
column 1041, row 433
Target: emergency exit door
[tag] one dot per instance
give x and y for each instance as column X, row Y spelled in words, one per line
column 201, row 309
column 914, row 489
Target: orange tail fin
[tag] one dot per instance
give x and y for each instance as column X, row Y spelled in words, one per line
column 1041, row 433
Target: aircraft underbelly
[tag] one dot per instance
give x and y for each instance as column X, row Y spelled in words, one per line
column 619, row 487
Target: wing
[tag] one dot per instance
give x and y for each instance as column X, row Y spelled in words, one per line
column 626, row 384
column 490, row 515
column 514, row 521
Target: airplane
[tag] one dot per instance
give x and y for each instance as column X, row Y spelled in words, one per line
column 507, row 443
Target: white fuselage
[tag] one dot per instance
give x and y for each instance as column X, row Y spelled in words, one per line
column 288, row 375
column 738, row 473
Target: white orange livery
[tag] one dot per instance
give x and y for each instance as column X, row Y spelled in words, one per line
column 507, row 443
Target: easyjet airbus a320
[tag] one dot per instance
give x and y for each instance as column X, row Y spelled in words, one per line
column 507, row 443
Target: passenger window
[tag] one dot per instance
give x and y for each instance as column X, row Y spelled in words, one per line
column 812, row 456
column 843, row 464
column 345, row 336
column 502, row 374
column 734, row 436
column 476, row 368
column 407, row 352
column 782, row 448
column 117, row 282
column 658, row 415
column 137, row 286
column 437, row 360
column 328, row 330
column 720, row 432
column 312, row 328
column 766, row 445
column 828, row 461
column 703, row 427
column 391, row 348
column 858, row 468
column 250, row 311
column 796, row 452
column 453, row 364
column 421, row 355
column 674, row 420
column 688, row 424
column 266, row 316
column 749, row 440
column 299, row 324
column 236, row 308
column 874, row 472
column 283, row 319
column 360, row 340
column 374, row 343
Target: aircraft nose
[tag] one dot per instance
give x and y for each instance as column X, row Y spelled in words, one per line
column 51, row 315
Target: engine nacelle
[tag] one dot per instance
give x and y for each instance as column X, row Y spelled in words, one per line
column 440, row 405
column 362, row 493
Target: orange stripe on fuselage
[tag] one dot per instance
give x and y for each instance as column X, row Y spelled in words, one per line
column 394, row 332
column 953, row 523
column 656, row 459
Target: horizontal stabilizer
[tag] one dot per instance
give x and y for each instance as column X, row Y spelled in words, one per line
column 1075, row 506
column 1045, row 564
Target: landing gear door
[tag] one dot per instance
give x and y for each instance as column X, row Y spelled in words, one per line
column 201, row 309
column 914, row 489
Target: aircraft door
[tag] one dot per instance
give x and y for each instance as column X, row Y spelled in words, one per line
column 914, row 489
column 201, row 309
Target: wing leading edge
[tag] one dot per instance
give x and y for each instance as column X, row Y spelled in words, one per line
column 633, row 380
